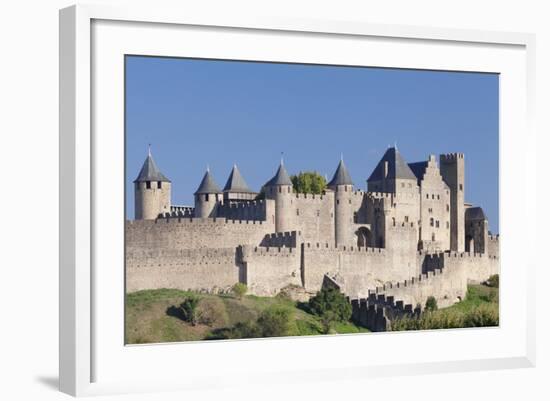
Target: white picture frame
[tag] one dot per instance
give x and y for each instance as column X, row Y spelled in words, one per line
column 91, row 362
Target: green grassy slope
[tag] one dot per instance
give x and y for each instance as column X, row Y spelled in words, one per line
column 148, row 322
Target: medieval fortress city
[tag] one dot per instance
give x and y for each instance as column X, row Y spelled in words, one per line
column 410, row 236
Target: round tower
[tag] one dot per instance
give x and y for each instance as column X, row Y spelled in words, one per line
column 342, row 186
column 152, row 191
column 279, row 188
column 207, row 196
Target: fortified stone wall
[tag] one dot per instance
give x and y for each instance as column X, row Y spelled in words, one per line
column 260, row 210
column 192, row 233
column 356, row 269
column 288, row 239
column 268, row 270
column 313, row 215
column 185, row 269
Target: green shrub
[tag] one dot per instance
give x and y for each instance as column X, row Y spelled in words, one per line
column 239, row 290
column 246, row 330
column 431, row 304
column 211, row 312
column 330, row 303
column 186, row 310
column 493, row 281
column 482, row 316
column 275, row 321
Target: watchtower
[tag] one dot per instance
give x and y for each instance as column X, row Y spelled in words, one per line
column 279, row 188
column 451, row 166
column 152, row 191
column 207, row 196
column 342, row 186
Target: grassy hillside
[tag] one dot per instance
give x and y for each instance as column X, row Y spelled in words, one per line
column 148, row 318
column 479, row 309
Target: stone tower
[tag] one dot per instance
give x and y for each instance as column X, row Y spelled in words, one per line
column 452, row 170
column 152, row 192
column 342, row 186
column 279, row 188
column 207, row 196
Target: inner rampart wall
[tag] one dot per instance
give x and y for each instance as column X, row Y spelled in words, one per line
column 194, row 233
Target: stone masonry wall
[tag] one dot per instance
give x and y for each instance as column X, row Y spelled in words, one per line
column 196, row 269
column 196, row 233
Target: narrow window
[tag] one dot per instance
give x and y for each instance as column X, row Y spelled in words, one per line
column 350, row 201
column 427, row 196
column 337, row 201
column 318, row 213
column 433, row 236
column 460, row 187
column 437, row 223
column 406, row 219
column 280, row 190
column 159, row 184
column 438, row 197
column 433, row 196
column 297, row 212
column 206, row 197
column 148, row 184
column 393, row 220
column 431, row 221
column 447, row 207
column 447, row 224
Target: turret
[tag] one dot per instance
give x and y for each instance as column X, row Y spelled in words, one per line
column 476, row 230
column 152, row 191
column 236, row 187
column 342, row 186
column 452, row 170
column 279, row 188
column 207, row 196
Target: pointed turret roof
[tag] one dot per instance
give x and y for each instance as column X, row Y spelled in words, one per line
column 236, row 182
column 208, row 185
column 149, row 171
column 281, row 177
column 397, row 167
column 341, row 176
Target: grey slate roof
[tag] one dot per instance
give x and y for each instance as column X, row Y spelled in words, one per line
column 150, row 172
column 397, row 167
column 418, row 169
column 281, row 177
column 341, row 176
column 236, row 182
column 475, row 213
column 208, row 185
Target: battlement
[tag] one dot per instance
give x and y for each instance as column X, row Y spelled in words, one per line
column 494, row 237
column 244, row 203
column 193, row 221
column 313, row 197
column 273, row 251
column 343, row 248
column 450, row 157
column 286, row 239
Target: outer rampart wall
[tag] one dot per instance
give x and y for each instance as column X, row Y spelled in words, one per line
column 268, row 270
column 313, row 215
column 196, row 269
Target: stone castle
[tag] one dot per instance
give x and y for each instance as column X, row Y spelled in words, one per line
column 409, row 236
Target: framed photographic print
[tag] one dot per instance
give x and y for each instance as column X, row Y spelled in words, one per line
column 273, row 190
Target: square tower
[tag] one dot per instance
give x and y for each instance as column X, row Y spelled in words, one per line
column 451, row 166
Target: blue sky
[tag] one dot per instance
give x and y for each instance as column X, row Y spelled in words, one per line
column 205, row 112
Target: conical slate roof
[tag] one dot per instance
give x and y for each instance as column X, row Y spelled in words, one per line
column 208, row 185
column 150, row 172
column 280, row 178
column 236, row 182
column 341, row 176
column 475, row 213
column 397, row 167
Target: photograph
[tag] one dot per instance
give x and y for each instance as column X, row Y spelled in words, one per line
column 274, row 199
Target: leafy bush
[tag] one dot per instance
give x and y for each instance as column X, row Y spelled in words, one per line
column 309, row 182
column 431, row 304
column 212, row 312
column 239, row 290
column 246, row 330
column 186, row 310
column 275, row 321
column 483, row 316
column 493, row 281
column 330, row 303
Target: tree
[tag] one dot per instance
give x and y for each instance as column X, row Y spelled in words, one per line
column 186, row 311
column 275, row 321
column 239, row 289
column 308, row 182
column 431, row 304
column 331, row 305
